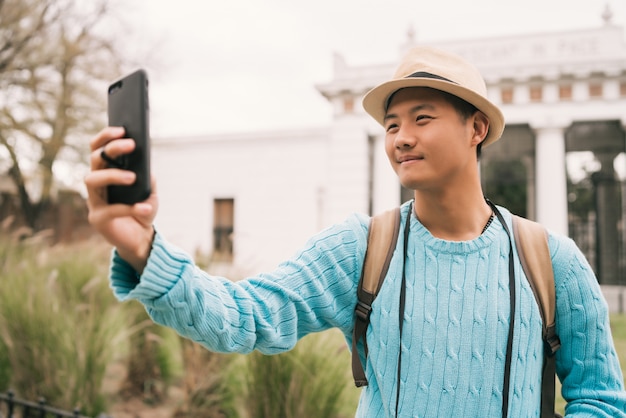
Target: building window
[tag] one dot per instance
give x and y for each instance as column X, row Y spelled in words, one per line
column 506, row 95
column 223, row 227
column 536, row 93
column 348, row 105
column 565, row 92
column 595, row 89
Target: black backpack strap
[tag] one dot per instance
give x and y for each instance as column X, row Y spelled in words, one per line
column 531, row 241
column 381, row 243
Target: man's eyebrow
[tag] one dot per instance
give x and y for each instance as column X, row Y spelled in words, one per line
column 415, row 109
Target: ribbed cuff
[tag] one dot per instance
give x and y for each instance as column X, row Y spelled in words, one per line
column 123, row 276
column 164, row 268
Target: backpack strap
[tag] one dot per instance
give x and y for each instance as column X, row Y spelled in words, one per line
column 381, row 242
column 531, row 241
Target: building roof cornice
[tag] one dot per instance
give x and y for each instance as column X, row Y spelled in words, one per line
column 577, row 53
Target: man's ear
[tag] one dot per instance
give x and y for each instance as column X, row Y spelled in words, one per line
column 481, row 127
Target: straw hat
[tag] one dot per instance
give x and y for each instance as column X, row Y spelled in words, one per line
column 429, row 67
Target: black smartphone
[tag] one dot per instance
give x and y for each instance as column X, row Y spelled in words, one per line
column 128, row 106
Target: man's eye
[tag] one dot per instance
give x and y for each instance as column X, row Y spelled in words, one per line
column 422, row 118
column 392, row 127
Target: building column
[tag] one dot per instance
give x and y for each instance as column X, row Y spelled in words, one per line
column 551, row 179
column 608, row 197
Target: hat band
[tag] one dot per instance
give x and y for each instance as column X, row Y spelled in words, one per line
column 424, row 74
column 419, row 74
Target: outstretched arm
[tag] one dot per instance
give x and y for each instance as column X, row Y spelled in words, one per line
column 313, row 291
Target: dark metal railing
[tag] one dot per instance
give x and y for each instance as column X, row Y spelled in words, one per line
column 13, row 407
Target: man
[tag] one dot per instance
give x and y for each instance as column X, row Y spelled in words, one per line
column 453, row 268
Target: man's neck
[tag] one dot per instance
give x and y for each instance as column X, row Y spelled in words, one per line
column 453, row 216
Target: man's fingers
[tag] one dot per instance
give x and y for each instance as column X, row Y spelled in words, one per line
column 106, row 213
column 144, row 213
column 102, row 178
column 113, row 149
column 105, row 136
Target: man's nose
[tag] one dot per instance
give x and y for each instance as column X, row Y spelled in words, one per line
column 404, row 138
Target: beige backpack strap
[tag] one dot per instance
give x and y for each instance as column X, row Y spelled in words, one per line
column 532, row 247
column 531, row 240
column 381, row 243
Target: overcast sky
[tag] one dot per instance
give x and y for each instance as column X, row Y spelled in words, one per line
column 249, row 65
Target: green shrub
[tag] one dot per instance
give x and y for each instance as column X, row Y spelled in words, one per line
column 5, row 367
column 207, row 392
column 312, row 380
column 153, row 357
column 59, row 322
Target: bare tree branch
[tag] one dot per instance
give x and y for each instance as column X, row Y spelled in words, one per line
column 53, row 64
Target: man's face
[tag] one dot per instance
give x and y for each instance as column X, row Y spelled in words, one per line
column 428, row 143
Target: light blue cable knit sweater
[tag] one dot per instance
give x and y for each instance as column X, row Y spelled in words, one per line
column 456, row 319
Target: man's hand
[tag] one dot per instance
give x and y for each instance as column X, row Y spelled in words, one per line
column 127, row 227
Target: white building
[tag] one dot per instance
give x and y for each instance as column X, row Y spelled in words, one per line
column 560, row 93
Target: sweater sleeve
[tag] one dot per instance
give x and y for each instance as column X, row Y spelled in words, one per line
column 313, row 291
column 587, row 363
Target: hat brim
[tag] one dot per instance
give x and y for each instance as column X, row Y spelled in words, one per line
column 374, row 102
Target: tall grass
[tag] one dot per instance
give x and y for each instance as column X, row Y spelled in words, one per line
column 59, row 323
column 312, row 380
column 153, row 359
column 207, row 384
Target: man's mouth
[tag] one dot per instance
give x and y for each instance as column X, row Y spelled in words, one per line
column 407, row 158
